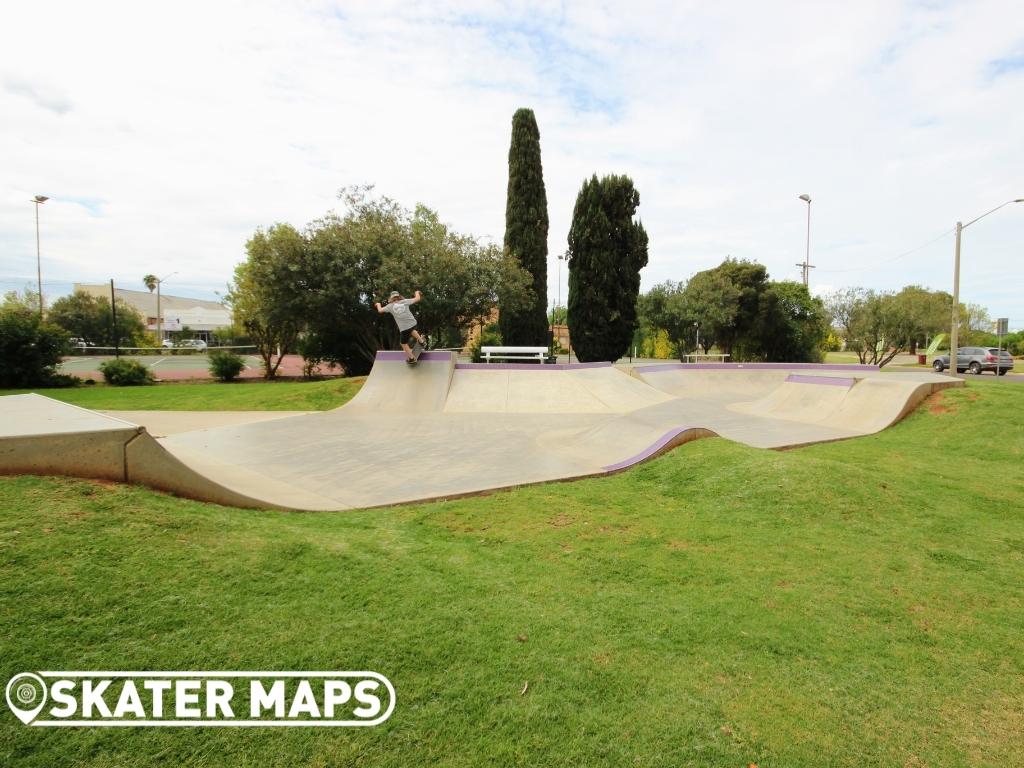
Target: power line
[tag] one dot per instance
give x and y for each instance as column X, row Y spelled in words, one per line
column 894, row 258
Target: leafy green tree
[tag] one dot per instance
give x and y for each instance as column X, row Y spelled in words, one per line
column 929, row 311
column 975, row 325
column 880, row 325
column 151, row 282
column 26, row 299
column 735, row 306
column 319, row 286
column 712, row 299
column 664, row 308
column 732, row 300
column 526, row 232
column 88, row 317
column 30, row 349
column 877, row 326
column 607, row 250
column 791, row 326
column 270, row 293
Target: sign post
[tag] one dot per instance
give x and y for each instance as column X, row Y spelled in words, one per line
column 1002, row 325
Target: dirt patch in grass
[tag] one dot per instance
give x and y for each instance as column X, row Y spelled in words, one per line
column 944, row 402
column 939, row 403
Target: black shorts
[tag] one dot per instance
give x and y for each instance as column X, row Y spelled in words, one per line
column 406, row 334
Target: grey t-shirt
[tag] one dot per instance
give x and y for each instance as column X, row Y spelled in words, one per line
column 402, row 314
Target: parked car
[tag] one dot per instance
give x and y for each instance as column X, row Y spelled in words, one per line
column 977, row 360
column 80, row 343
column 197, row 344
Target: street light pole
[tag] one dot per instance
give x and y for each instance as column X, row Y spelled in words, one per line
column 561, row 257
column 39, row 200
column 807, row 258
column 954, row 334
column 159, row 316
column 564, row 257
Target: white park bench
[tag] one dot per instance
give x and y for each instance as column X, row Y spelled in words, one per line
column 527, row 354
column 698, row 358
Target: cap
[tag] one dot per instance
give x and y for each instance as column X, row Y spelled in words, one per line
column 394, row 295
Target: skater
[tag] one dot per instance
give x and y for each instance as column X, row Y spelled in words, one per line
column 398, row 307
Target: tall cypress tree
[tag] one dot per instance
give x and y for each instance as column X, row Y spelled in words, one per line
column 526, row 232
column 607, row 249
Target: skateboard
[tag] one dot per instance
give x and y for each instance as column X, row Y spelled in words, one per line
column 417, row 350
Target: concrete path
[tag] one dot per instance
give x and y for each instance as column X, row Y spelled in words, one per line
column 442, row 429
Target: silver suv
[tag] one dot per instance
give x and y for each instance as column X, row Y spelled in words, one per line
column 977, row 360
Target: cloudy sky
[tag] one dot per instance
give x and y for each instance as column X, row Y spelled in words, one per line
column 165, row 133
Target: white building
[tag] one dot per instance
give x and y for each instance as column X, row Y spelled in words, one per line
column 200, row 316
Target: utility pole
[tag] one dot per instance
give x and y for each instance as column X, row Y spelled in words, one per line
column 954, row 335
column 113, row 315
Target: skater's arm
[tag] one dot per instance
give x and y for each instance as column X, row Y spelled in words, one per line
column 416, row 297
column 380, row 309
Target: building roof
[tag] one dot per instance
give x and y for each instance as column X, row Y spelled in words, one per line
column 145, row 302
column 198, row 314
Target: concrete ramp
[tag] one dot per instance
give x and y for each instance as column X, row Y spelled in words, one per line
column 801, row 397
column 586, row 388
column 41, row 436
column 442, row 430
column 392, row 388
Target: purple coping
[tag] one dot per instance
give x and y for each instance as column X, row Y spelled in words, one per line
column 530, row 366
column 649, row 451
column 828, row 381
column 753, row 366
column 399, row 356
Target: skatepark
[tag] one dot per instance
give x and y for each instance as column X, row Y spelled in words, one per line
column 445, row 429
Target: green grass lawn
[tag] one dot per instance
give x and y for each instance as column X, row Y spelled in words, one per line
column 210, row 396
column 858, row 603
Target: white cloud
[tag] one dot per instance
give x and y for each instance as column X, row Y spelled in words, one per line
column 166, row 134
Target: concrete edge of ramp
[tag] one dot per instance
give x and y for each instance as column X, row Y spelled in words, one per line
column 671, row 439
column 531, row 366
column 917, row 396
column 103, row 447
column 164, row 423
column 149, row 463
column 94, row 455
column 822, row 381
column 657, row 368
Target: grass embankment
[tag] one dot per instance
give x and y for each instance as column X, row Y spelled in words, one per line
column 210, row 396
column 852, row 604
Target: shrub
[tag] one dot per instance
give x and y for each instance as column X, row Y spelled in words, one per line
column 489, row 337
column 30, row 350
column 225, row 365
column 126, row 373
column 64, row 381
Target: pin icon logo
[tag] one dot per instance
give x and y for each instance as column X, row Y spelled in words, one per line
column 26, row 695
